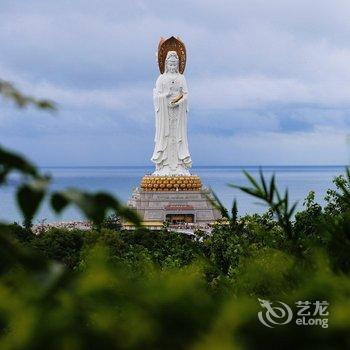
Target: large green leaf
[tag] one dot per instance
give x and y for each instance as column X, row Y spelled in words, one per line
column 10, row 161
column 95, row 206
column 30, row 196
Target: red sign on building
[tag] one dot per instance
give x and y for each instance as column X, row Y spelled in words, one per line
column 178, row 207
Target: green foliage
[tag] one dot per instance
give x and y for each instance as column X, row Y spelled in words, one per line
column 164, row 249
column 112, row 222
column 132, row 304
column 60, row 245
column 337, row 199
column 308, row 223
column 279, row 204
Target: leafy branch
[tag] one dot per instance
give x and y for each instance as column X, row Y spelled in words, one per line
column 344, row 186
column 21, row 100
column 217, row 204
column 268, row 193
column 95, row 206
column 11, row 161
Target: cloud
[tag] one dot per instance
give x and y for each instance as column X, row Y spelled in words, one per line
column 274, row 148
column 260, row 91
column 322, row 146
column 265, row 79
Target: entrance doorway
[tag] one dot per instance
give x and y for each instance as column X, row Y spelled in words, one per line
column 176, row 219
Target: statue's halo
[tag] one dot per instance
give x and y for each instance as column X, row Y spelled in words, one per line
column 171, row 44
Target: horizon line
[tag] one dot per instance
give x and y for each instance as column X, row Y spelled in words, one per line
column 196, row 166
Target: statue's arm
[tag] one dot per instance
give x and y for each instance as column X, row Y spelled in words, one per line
column 157, row 93
column 185, row 92
column 184, row 87
column 159, row 89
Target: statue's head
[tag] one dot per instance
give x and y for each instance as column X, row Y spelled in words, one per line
column 172, row 62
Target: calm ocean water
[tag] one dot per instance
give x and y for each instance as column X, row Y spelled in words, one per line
column 121, row 180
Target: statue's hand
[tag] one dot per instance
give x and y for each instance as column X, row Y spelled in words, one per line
column 174, row 104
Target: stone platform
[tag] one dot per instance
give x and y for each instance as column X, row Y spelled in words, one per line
column 182, row 199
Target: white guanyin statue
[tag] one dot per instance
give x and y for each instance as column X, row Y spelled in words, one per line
column 171, row 155
column 171, row 193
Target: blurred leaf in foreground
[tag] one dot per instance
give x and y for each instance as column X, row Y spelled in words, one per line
column 94, row 206
column 10, row 92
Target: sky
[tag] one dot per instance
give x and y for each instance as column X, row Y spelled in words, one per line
column 269, row 81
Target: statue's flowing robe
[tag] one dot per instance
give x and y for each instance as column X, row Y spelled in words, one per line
column 163, row 145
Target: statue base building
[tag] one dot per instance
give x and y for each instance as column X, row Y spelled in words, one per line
column 174, row 199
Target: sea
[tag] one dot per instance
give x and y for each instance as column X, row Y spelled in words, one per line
column 121, row 180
